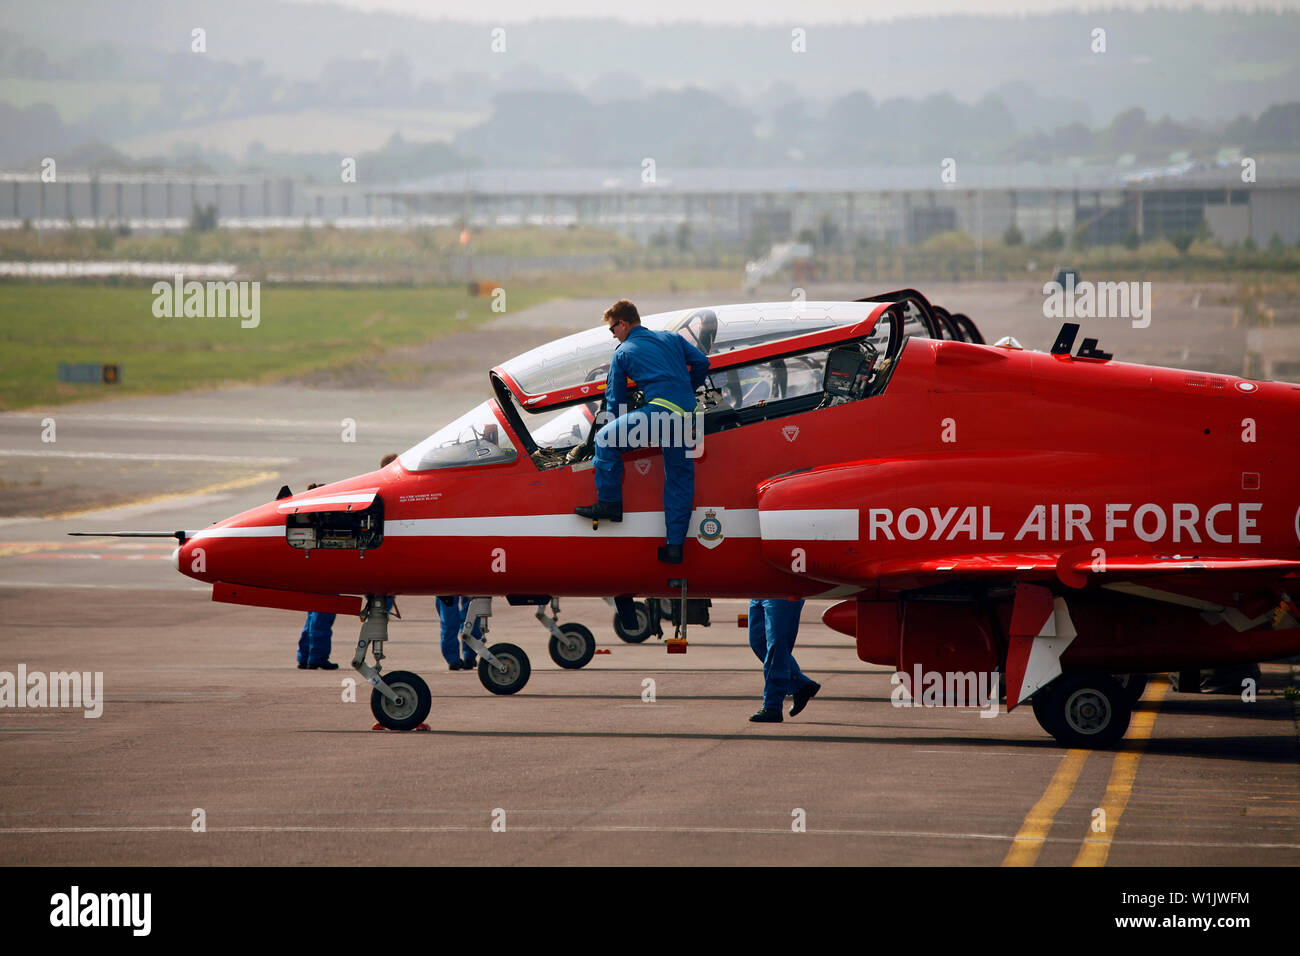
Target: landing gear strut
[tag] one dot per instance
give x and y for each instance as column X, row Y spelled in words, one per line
column 400, row 700
column 677, row 643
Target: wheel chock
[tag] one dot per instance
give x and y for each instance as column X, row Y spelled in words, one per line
column 602, row 650
column 420, row 727
column 675, row 645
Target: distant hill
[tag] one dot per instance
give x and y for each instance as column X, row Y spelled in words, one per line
column 1191, row 64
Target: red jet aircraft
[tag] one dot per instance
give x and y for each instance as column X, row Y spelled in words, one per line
column 1056, row 518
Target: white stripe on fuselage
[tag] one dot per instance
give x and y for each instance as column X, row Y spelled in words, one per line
column 256, row 531
column 741, row 523
column 812, row 524
column 796, row 525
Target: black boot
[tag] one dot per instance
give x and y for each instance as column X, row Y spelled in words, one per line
column 609, row 510
column 670, row 553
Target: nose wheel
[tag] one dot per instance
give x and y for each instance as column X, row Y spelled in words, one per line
column 411, row 706
column 400, row 700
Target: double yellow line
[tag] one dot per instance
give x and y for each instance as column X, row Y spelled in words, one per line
column 1029, row 841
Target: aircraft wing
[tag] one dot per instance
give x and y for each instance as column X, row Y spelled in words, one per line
column 1075, row 568
column 1076, row 572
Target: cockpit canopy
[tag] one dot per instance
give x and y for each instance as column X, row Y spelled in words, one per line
column 585, row 356
column 476, row 438
column 550, row 395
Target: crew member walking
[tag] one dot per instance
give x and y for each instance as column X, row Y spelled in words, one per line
column 773, row 627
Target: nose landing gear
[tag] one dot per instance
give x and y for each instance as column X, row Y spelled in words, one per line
column 400, row 700
column 410, row 705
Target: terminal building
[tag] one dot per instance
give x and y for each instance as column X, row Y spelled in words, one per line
column 1099, row 205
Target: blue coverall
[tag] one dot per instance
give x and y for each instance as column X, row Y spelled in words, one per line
column 668, row 369
column 452, row 617
column 314, row 644
column 773, row 627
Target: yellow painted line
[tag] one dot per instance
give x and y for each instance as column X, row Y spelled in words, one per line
column 230, row 485
column 9, row 550
column 1028, row 843
column 1096, row 847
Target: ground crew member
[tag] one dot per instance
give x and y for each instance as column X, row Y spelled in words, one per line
column 314, row 643
column 773, row 627
column 667, row 369
column 451, row 615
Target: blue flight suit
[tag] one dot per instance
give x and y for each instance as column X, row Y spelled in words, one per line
column 451, row 614
column 314, row 644
column 668, row 369
column 773, row 627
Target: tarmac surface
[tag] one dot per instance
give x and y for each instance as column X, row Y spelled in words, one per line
column 203, row 709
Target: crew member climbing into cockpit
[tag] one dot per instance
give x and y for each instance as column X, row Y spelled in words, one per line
column 667, row 369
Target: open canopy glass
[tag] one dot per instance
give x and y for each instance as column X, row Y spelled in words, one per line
column 584, row 356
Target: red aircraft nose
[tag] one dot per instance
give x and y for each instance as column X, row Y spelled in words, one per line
column 234, row 549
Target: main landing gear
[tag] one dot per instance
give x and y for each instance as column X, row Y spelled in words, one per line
column 650, row 614
column 1089, row 709
column 572, row 646
column 502, row 668
column 639, row 611
column 400, row 700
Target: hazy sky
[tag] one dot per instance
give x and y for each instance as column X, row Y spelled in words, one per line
column 794, row 12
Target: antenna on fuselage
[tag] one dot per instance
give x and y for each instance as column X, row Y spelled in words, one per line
column 1065, row 338
column 1088, row 350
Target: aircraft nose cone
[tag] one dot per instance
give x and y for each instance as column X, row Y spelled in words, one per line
column 192, row 558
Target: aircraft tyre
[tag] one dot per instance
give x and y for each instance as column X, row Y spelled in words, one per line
column 515, row 675
column 1134, row 685
column 1043, row 712
column 643, row 625
column 573, row 657
column 408, row 712
column 1086, row 709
